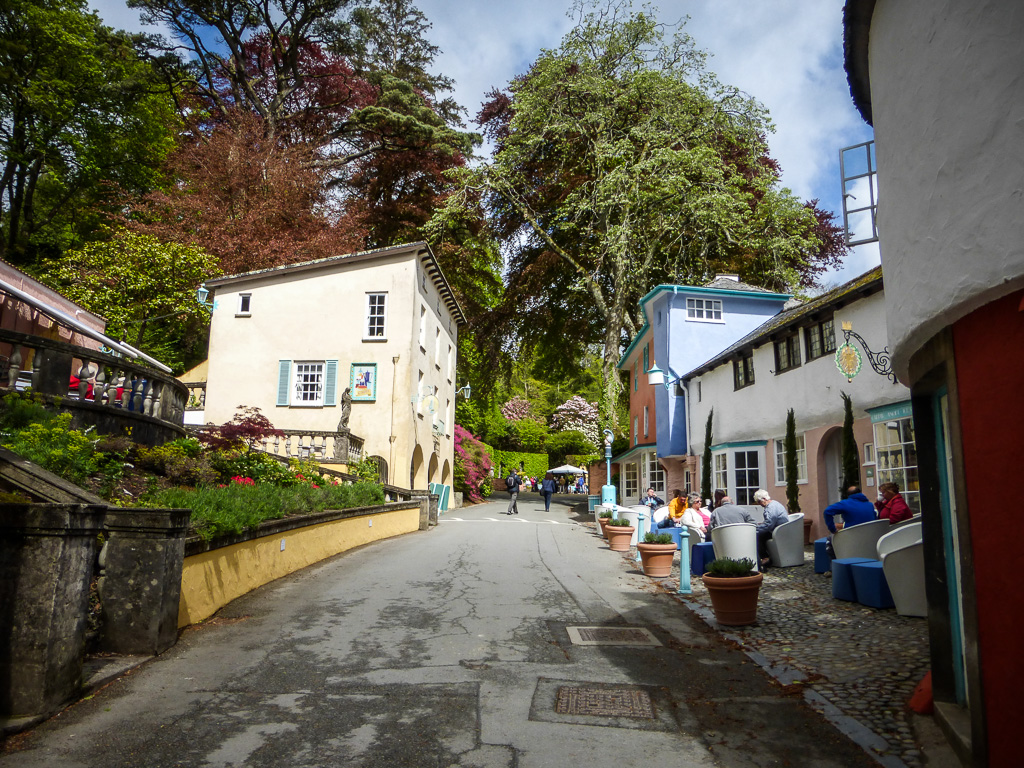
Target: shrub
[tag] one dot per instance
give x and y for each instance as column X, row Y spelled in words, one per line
column 606, row 514
column 725, row 567
column 620, row 522
column 472, row 470
column 53, row 445
column 657, row 538
column 182, row 462
column 248, row 428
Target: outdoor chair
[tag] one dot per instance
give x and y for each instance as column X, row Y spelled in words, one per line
column 900, row 536
column 786, row 546
column 657, row 516
column 736, row 541
column 915, row 519
column 904, row 573
column 860, row 540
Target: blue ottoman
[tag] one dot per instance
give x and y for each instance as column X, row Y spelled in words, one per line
column 872, row 589
column 700, row 556
column 822, row 562
column 843, row 587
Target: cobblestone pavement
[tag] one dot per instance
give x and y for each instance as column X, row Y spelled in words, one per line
column 862, row 661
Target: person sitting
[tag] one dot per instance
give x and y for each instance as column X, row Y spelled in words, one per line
column 892, row 506
column 774, row 515
column 726, row 513
column 720, row 497
column 676, row 508
column 693, row 518
column 855, row 509
column 652, row 501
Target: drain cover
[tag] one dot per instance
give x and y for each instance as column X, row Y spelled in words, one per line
column 604, row 702
column 636, row 636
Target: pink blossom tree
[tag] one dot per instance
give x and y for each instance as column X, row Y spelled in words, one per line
column 517, row 409
column 472, row 465
column 577, row 414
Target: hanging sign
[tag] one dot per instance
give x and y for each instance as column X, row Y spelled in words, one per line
column 848, row 360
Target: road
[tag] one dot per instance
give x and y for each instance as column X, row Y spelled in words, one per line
column 449, row 647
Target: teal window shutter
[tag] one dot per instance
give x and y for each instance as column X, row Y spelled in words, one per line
column 331, row 383
column 284, row 374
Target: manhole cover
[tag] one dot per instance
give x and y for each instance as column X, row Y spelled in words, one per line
column 604, row 702
column 611, row 636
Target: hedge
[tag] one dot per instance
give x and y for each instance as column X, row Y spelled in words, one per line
column 534, row 464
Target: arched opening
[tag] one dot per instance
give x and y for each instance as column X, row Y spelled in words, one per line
column 830, row 467
column 432, row 468
column 417, row 477
column 382, row 467
column 446, row 473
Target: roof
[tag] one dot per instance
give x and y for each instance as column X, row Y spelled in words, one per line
column 421, row 249
column 722, row 286
column 860, row 287
column 856, row 32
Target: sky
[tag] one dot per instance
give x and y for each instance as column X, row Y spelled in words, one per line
column 785, row 53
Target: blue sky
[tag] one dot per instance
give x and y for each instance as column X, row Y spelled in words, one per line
column 785, row 53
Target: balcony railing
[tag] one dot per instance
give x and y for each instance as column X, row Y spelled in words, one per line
column 111, row 392
column 324, row 447
column 196, row 395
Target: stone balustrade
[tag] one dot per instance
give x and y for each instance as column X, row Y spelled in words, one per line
column 196, row 395
column 112, row 393
column 325, row 447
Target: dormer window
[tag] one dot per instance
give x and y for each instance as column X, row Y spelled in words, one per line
column 704, row 310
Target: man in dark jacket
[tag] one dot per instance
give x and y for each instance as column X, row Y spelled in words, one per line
column 513, row 483
column 855, row 509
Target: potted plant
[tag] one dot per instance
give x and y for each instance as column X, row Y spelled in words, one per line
column 619, row 534
column 734, row 586
column 603, row 521
column 656, row 553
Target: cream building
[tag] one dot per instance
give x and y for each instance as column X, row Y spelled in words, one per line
column 382, row 324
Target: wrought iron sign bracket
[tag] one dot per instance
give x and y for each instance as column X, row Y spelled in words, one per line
column 881, row 362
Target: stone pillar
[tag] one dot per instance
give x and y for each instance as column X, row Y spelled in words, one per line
column 428, row 508
column 47, row 553
column 140, row 579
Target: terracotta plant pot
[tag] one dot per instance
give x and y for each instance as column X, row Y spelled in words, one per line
column 734, row 599
column 656, row 559
column 603, row 522
column 619, row 537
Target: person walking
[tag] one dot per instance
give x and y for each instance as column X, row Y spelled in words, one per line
column 547, row 488
column 513, row 483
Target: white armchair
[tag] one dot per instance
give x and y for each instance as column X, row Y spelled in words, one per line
column 736, row 541
column 860, row 540
column 786, row 546
column 900, row 536
column 904, row 573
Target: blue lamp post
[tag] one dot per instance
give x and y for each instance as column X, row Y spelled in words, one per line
column 608, row 495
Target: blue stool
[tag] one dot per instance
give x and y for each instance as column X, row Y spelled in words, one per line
column 822, row 562
column 700, row 556
column 872, row 588
column 843, row 587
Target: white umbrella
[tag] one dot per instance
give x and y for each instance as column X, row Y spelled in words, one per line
column 567, row 469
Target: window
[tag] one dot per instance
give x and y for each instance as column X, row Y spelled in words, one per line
column 244, row 305
column 655, row 474
column 748, row 476
column 698, row 392
column 419, row 394
column 636, row 433
column 376, row 315
column 743, row 371
column 722, row 471
column 647, row 358
column 896, row 458
column 708, row 310
column 437, row 348
column 307, row 383
column 423, row 328
column 450, row 360
column 869, row 453
column 787, row 353
column 631, row 484
column 780, row 460
column 687, row 481
column 821, row 339
column 646, row 422
column 636, row 374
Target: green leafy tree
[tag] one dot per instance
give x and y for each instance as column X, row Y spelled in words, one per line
column 82, row 116
column 850, row 456
column 705, row 470
column 792, row 471
column 621, row 162
column 563, row 444
column 146, row 289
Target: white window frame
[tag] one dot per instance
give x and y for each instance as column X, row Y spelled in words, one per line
column 896, row 458
column 749, row 488
column 720, row 471
column 704, row 310
column 630, row 481
column 654, row 474
column 373, row 312
column 308, row 378
column 647, row 422
column 423, row 328
column 450, row 359
column 244, row 305
column 437, row 348
column 801, row 460
column 636, row 430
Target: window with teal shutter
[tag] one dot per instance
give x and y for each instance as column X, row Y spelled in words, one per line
column 331, row 383
column 647, row 363
column 284, row 370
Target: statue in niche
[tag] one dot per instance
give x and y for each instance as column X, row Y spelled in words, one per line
column 346, row 409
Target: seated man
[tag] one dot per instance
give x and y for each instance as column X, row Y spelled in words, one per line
column 652, row 501
column 855, row 509
column 892, row 506
column 676, row 508
column 774, row 515
column 726, row 512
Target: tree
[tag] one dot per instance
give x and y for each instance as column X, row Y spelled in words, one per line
column 81, row 115
column 576, row 414
column 622, row 162
column 792, row 470
column 146, row 289
column 850, row 456
column 562, row 444
column 516, row 409
column 472, row 465
column 705, row 469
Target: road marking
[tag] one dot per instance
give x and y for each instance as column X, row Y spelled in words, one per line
column 497, row 520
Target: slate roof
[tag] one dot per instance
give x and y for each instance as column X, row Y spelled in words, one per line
column 728, row 284
column 787, row 320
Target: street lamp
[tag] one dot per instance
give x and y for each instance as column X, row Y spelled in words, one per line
column 608, row 493
column 464, row 391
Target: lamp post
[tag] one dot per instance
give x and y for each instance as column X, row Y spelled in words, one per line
column 608, row 495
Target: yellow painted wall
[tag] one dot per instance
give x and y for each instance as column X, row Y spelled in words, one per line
column 211, row 580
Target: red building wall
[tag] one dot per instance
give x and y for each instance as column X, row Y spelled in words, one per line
column 989, row 352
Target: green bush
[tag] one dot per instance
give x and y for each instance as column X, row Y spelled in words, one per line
column 534, row 464
column 657, row 538
column 725, row 567
column 607, row 514
column 53, row 445
column 20, row 410
column 178, row 462
column 620, row 522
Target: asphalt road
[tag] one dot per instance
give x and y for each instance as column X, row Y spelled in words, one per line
column 450, row 647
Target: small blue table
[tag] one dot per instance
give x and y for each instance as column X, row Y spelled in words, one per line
column 872, row 588
column 822, row 562
column 843, row 586
column 700, row 556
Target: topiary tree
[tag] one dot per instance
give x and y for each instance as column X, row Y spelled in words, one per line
column 850, row 457
column 789, row 446
column 705, row 470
